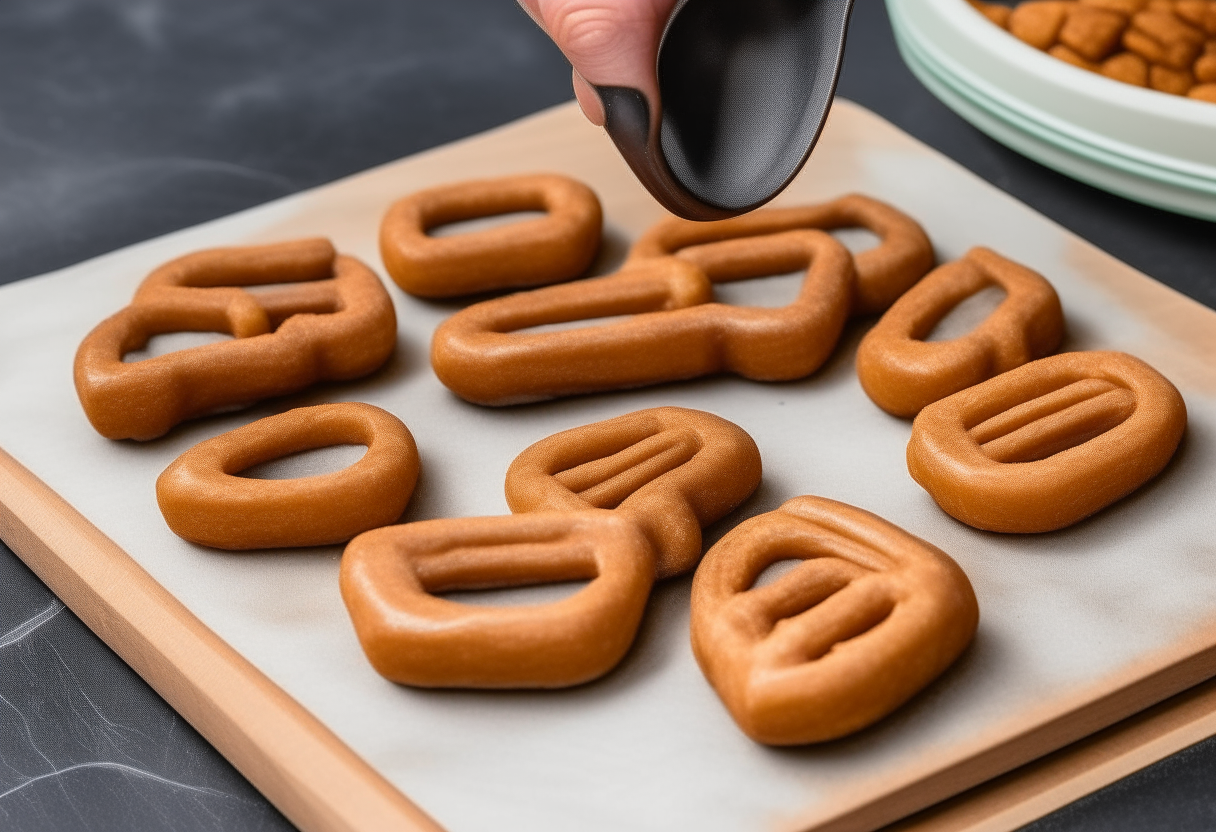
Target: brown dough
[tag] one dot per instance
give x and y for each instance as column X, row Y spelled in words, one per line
column 204, row 499
column 675, row 331
column 903, row 255
column 337, row 324
column 671, row 470
column 901, row 372
column 532, row 252
column 1048, row 444
column 412, row 637
column 870, row 616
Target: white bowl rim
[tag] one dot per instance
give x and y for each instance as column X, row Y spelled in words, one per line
column 1046, row 68
column 1010, row 54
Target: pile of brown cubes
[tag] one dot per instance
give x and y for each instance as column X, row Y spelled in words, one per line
column 1166, row 45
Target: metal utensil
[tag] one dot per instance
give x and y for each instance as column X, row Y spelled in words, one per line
column 744, row 88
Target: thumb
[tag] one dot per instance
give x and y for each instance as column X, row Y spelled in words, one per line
column 610, row 43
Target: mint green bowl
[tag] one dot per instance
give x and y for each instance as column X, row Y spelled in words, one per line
column 1144, row 145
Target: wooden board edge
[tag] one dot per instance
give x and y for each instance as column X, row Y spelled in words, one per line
column 1017, row 755
column 322, row 786
column 1039, row 788
column 313, row 778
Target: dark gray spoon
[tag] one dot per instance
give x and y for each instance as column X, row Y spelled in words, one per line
column 744, row 88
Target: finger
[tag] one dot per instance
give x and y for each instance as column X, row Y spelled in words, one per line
column 530, row 6
column 588, row 100
column 608, row 42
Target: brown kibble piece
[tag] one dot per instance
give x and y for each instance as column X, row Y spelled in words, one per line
column 1123, row 7
column 1205, row 69
column 1127, row 67
column 1141, row 44
column 869, row 616
column 1092, row 33
column 1167, row 79
column 1192, row 11
column 1038, row 22
column 1163, row 38
column 1063, row 53
column 995, row 12
column 1046, row 445
column 1203, row 92
column 1182, row 54
column 1166, row 26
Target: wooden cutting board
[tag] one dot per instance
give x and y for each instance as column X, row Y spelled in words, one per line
column 1079, row 629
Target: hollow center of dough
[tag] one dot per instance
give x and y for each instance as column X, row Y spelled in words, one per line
column 856, row 240
column 174, row 342
column 515, row 596
column 453, row 229
column 768, row 292
column 967, row 314
column 310, row 463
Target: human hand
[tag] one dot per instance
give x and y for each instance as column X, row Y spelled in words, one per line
column 609, row 43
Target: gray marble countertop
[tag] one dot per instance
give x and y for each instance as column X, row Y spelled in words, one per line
column 124, row 119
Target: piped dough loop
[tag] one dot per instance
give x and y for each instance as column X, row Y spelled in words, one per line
column 205, row 501
column 674, row 331
column 901, row 372
column 532, row 252
column 671, row 470
column 336, row 322
column 884, row 273
column 870, row 616
column 1047, row 444
column 389, row 575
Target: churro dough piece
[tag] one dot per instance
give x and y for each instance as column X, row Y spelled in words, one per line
column 903, row 255
column 901, row 372
column 675, row 331
column 389, row 577
column 671, row 470
column 334, row 324
column 871, row 616
column 1048, row 444
column 532, row 252
column 205, row 500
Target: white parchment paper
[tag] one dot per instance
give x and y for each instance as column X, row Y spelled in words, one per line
column 1064, row 617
